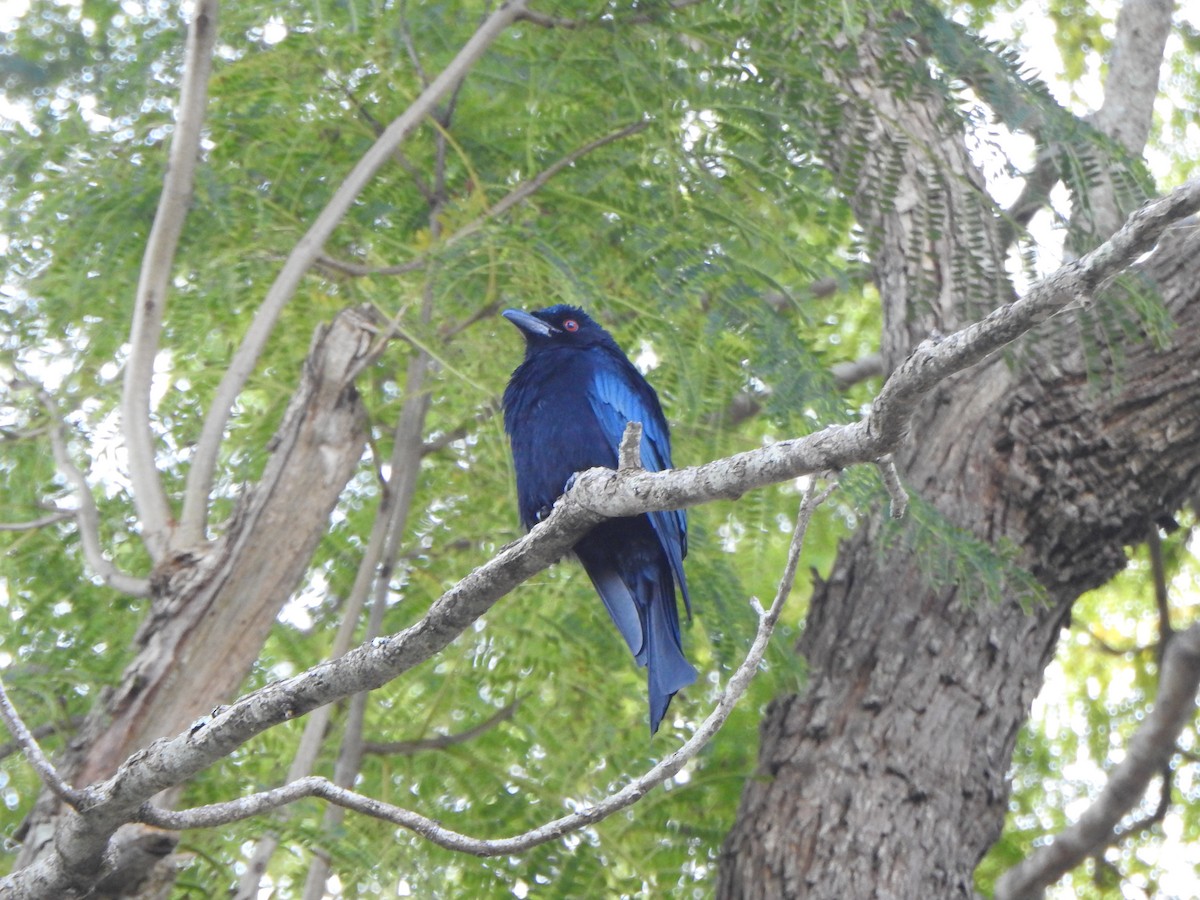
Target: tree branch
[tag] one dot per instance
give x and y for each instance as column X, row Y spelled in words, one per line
column 150, row 301
column 40, row 522
column 1147, row 754
column 236, row 810
column 33, row 753
column 87, row 517
column 517, row 195
column 442, row 741
column 1133, row 67
column 847, row 374
column 302, row 257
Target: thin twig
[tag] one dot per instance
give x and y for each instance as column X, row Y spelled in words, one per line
column 41, row 522
column 87, row 517
column 256, row 804
column 514, row 197
column 33, row 753
column 442, row 741
column 154, row 281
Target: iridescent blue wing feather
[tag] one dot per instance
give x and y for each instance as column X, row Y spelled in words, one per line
column 617, row 399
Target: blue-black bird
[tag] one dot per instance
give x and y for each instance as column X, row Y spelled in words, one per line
column 565, row 410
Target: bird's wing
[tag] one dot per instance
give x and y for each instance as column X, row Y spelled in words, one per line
column 616, row 399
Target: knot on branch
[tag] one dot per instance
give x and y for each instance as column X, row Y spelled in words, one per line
column 629, row 453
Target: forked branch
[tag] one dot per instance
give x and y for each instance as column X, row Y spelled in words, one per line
column 255, row 804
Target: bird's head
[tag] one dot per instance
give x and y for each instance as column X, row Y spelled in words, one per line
column 558, row 326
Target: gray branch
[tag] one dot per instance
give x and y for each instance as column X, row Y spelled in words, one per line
column 1146, row 756
column 87, row 517
column 154, row 281
column 39, row 522
column 236, row 810
column 33, row 753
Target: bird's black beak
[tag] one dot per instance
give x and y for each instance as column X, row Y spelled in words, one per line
column 529, row 324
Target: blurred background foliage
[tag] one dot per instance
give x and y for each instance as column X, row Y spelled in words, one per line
column 712, row 243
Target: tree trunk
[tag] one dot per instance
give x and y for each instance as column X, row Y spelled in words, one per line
column 213, row 608
column 887, row 776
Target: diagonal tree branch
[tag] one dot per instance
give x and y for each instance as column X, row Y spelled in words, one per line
column 33, row 753
column 1146, row 756
column 68, row 726
column 305, row 253
column 235, row 810
column 87, row 517
column 150, row 302
column 40, row 522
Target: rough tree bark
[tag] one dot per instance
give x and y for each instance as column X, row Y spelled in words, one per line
column 886, row 777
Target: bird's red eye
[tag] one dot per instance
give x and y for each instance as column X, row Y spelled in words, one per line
column 570, row 325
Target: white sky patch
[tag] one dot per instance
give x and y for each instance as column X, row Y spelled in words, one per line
column 647, row 358
column 297, row 612
column 274, row 31
column 10, row 12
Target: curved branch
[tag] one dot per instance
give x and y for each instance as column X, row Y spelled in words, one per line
column 1147, row 755
column 236, row 810
column 87, row 517
column 305, row 253
column 150, row 302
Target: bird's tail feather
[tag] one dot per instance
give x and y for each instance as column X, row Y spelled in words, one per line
column 667, row 668
column 622, row 607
